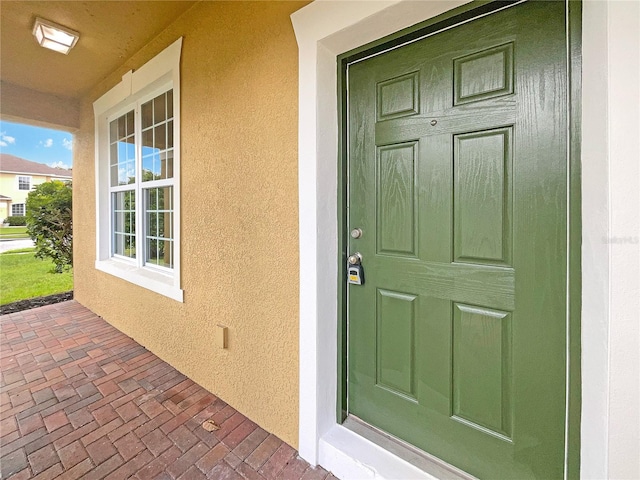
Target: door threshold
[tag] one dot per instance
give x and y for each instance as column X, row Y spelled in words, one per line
column 355, row 450
column 422, row 460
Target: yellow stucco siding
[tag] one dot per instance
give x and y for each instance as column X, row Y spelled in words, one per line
column 239, row 213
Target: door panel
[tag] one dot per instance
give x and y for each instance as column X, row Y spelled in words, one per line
column 457, row 178
column 482, row 209
column 395, row 342
column 397, row 214
column 482, row 368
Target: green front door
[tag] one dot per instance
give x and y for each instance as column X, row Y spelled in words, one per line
column 457, row 151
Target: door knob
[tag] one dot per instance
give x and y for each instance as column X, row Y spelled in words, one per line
column 356, row 233
column 355, row 259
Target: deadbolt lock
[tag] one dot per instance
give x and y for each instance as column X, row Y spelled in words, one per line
column 356, row 233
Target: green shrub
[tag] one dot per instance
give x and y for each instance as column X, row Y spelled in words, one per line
column 16, row 221
column 49, row 222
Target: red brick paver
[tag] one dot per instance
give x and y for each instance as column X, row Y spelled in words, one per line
column 79, row 399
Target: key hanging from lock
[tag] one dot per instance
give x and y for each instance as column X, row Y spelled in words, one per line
column 355, row 272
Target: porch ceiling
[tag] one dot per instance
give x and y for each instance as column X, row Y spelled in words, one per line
column 110, row 33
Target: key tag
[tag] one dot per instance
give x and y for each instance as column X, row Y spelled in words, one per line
column 355, row 274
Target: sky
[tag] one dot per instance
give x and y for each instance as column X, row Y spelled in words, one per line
column 42, row 145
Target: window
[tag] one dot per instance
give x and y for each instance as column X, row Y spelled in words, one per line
column 141, row 167
column 17, row 210
column 24, row 183
column 137, row 124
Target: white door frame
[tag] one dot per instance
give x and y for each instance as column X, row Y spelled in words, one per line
column 327, row 28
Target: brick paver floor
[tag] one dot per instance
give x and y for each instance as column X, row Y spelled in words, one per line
column 79, row 399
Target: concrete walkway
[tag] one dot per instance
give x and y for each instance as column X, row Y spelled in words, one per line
column 79, row 399
column 6, row 245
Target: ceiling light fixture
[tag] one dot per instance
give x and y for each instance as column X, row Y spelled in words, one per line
column 53, row 36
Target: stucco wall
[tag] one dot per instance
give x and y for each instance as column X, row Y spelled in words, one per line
column 239, row 213
column 21, row 104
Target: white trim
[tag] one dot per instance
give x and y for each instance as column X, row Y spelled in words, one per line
column 159, row 74
column 144, row 277
column 339, row 446
column 53, row 176
column 324, row 29
column 157, row 67
column 118, row 94
column 595, row 255
column 611, row 231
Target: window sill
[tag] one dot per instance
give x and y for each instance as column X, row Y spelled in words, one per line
column 143, row 277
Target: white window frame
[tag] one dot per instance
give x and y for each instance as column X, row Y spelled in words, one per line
column 155, row 77
column 24, row 210
column 29, row 178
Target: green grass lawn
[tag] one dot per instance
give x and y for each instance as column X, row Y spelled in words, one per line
column 23, row 276
column 7, row 233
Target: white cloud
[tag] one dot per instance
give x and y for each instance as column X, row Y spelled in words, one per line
column 59, row 164
column 6, row 140
column 67, row 143
column 48, row 142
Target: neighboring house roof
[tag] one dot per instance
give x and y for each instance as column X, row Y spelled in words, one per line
column 13, row 164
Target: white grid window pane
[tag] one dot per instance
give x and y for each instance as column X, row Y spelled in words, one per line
column 122, row 150
column 18, row 210
column 124, row 223
column 24, row 183
column 141, row 140
column 157, row 138
column 159, row 226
